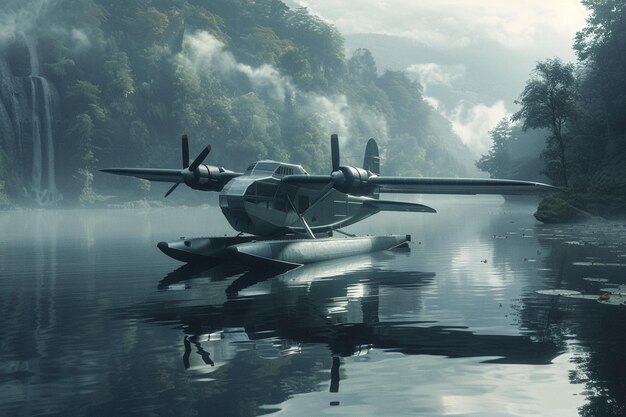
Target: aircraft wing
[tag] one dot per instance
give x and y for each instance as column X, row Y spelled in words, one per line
column 151, row 174
column 415, row 185
column 419, row 185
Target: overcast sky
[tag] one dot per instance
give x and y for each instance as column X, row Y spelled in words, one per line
column 542, row 25
column 524, row 30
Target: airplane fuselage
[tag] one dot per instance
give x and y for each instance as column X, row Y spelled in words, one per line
column 258, row 203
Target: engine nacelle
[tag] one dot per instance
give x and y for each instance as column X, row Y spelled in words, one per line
column 208, row 178
column 352, row 180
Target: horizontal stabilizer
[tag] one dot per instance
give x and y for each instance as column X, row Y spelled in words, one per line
column 458, row 186
column 383, row 205
column 150, row 174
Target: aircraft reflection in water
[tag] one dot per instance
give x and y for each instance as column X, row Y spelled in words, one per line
column 286, row 211
column 335, row 303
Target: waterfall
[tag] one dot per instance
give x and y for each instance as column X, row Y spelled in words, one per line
column 41, row 120
column 47, row 98
column 27, row 100
column 45, row 192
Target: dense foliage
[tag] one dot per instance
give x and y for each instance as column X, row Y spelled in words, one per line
column 254, row 78
column 582, row 111
column 513, row 153
column 548, row 101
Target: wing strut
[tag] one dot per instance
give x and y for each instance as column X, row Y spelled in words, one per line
column 304, row 223
column 344, row 233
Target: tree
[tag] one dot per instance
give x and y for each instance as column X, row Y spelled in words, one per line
column 295, row 63
column 323, row 43
column 362, row 66
column 548, row 101
column 498, row 160
column 256, row 128
column 606, row 28
column 263, row 46
column 408, row 110
column 600, row 47
column 119, row 84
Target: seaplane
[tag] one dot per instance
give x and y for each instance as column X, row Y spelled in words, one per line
column 286, row 217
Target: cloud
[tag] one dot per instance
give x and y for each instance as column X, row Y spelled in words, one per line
column 432, row 74
column 20, row 17
column 458, row 23
column 433, row 102
column 435, row 74
column 206, row 53
column 472, row 124
column 28, row 18
column 80, row 38
column 337, row 115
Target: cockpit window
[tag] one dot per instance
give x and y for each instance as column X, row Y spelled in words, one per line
column 265, row 167
column 276, row 169
column 283, row 170
column 290, row 170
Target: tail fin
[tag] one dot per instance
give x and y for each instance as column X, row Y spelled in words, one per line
column 371, row 162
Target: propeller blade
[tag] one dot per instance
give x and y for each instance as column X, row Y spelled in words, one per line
column 200, row 158
column 173, row 188
column 185, row 152
column 334, row 151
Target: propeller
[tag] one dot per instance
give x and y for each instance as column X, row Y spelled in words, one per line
column 188, row 173
column 347, row 179
column 196, row 175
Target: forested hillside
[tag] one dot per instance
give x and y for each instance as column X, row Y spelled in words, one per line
column 86, row 84
column 580, row 110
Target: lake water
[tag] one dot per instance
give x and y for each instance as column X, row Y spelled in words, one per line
column 96, row 321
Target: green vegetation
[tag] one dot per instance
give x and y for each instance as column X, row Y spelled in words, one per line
column 514, row 152
column 582, row 113
column 557, row 209
column 254, row 78
column 548, row 102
